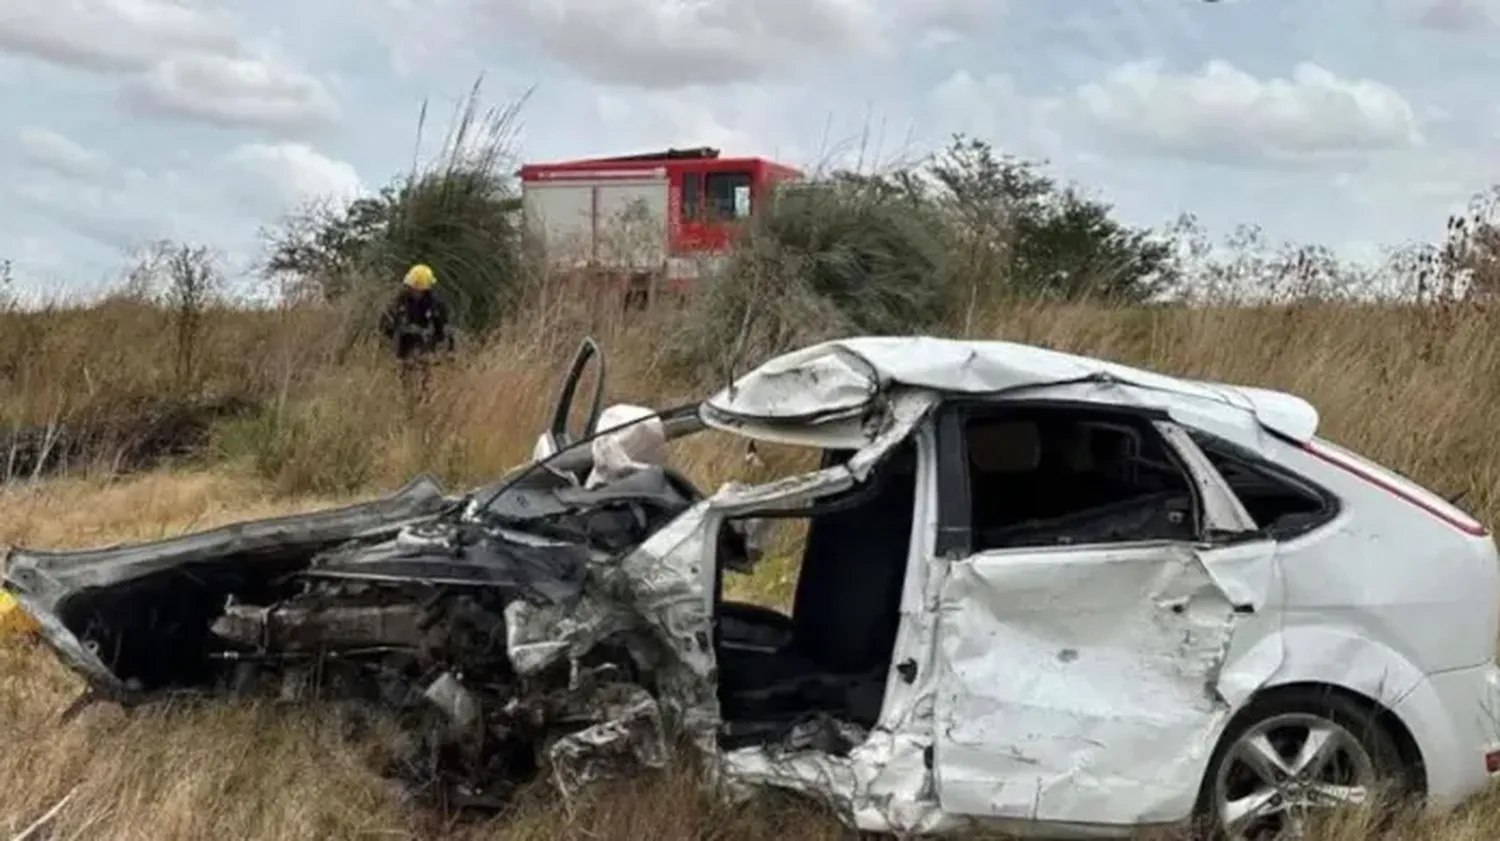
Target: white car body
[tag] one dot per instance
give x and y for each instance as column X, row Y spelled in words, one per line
column 1082, row 689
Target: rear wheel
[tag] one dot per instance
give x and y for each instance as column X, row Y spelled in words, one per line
column 1291, row 756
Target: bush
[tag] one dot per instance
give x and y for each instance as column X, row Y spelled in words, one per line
column 310, row 448
column 460, row 216
column 913, row 250
column 820, row 260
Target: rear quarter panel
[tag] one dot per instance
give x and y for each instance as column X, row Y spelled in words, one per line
column 1390, row 571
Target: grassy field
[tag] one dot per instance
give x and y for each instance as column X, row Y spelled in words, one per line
column 1414, row 388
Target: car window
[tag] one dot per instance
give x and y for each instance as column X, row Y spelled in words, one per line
column 1280, row 501
column 1050, row 477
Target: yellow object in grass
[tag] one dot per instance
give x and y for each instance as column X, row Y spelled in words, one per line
column 14, row 622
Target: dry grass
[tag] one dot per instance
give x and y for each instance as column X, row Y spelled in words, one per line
column 1413, row 388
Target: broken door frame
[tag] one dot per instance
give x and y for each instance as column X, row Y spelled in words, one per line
column 883, row 784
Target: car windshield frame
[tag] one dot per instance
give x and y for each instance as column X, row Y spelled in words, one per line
column 678, row 422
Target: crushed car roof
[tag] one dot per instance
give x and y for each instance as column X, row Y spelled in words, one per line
column 839, row 380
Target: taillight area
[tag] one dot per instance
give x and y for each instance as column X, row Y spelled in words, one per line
column 1397, row 486
column 1492, row 762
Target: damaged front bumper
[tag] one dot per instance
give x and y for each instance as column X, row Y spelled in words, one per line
column 501, row 647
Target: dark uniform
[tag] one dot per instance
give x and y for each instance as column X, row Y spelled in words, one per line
column 416, row 323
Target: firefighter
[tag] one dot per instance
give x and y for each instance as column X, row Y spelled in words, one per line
column 417, row 325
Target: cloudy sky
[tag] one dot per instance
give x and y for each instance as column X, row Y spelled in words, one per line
column 1347, row 122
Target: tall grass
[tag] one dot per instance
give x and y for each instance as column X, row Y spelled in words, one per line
column 1414, row 387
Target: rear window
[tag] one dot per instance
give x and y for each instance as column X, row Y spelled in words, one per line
column 1281, row 502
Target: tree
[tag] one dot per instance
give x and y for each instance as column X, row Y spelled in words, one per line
column 844, row 254
column 184, row 279
column 1467, row 263
column 907, row 250
column 1072, row 248
column 460, row 216
column 1012, row 231
column 1021, row 234
column 325, row 247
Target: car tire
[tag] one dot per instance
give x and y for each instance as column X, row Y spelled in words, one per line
column 1360, row 754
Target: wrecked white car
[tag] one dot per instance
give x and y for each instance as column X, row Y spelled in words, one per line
column 1038, row 591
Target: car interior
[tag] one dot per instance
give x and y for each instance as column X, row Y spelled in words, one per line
column 1037, row 476
column 1284, row 504
column 828, row 660
column 1042, row 477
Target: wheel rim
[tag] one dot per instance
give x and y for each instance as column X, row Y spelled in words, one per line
column 1284, row 770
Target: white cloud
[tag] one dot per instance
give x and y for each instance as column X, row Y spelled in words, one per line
column 755, row 120
column 219, row 201
column 234, row 91
column 661, row 43
column 125, row 35
column 61, row 154
column 659, row 120
column 1223, row 113
column 945, row 21
column 1218, row 114
column 993, row 107
column 298, row 172
column 109, row 216
column 1432, row 182
column 201, row 201
column 37, row 254
column 178, row 58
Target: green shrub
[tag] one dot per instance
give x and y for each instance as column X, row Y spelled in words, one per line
column 820, row 260
column 302, row 448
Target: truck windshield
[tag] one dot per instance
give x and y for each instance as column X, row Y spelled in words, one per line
column 728, row 195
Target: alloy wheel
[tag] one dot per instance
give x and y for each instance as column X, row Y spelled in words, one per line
column 1283, row 770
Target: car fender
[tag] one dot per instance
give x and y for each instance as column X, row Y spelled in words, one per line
column 1340, row 658
column 1321, row 654
column 1333, row 657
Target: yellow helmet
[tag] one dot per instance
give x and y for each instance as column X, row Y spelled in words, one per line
column 420, row 276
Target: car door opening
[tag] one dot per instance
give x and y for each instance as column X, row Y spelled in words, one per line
column 817, row 677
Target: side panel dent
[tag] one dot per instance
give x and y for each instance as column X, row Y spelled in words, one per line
column 1078, row 685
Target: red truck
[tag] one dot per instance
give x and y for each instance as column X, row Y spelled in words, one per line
column 645, row 222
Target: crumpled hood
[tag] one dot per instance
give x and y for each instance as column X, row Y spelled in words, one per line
column 47, row 579
column 533, row 543
column 525, row 620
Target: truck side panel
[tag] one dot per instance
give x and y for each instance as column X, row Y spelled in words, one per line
column 562, row 215
column 632, row 230
column 611, row 222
